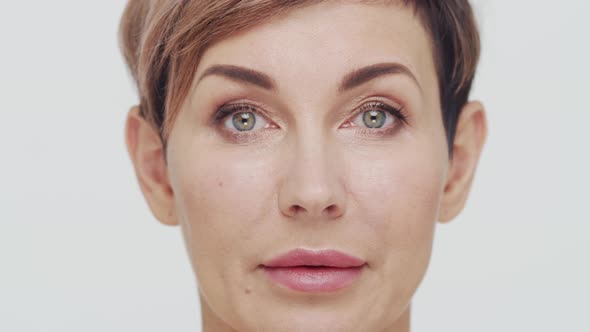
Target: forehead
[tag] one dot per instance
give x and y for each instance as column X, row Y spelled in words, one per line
column 322, row 41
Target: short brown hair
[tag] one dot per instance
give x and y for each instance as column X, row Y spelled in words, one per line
column 163, row 40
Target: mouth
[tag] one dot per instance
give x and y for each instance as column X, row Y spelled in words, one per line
column 310, row 271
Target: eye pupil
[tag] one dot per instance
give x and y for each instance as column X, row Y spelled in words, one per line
column 244, row 121
column 374, row 119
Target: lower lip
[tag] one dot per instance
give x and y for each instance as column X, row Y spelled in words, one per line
column 314, row 279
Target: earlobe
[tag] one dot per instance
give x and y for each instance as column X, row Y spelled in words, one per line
column 469, row 140
column 147, row 155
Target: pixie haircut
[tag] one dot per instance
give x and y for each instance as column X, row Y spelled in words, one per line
column 163, row 41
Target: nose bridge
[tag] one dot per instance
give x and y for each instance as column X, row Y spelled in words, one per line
column 311, row 185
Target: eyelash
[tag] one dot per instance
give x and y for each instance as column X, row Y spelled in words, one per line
column 398, row 113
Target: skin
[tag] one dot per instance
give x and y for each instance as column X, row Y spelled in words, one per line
column 311, row 174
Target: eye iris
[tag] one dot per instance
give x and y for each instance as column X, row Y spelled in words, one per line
column 244, row 121
column 374, row 119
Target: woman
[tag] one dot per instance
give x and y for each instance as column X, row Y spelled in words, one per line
column 306, row 149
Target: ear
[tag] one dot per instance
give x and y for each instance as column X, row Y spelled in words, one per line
column 147, row 154
column 470, row 137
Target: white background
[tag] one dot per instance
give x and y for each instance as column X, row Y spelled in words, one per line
column 79, row 250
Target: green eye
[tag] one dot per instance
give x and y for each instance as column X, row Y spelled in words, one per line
column 244, row 121
column 374, row 119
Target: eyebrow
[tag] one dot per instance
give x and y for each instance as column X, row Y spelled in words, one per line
column 363, row 75
column 241, row 74
column 350, row 81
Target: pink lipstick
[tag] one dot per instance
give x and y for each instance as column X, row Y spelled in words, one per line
column 314, row 271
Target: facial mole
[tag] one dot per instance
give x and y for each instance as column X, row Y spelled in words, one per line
column 247, row 290
column 220, row 183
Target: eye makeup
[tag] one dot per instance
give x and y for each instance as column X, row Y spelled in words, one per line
column 399, row 120
column 237, row 136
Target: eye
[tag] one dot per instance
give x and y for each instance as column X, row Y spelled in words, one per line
column 376, row 115
column 372, row 117
column 240, row 117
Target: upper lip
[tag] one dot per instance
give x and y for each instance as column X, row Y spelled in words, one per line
column 326, row 257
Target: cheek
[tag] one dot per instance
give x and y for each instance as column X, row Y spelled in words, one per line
column 415, row 194
column 221, row 201
column 402, row 188
column 399, row 196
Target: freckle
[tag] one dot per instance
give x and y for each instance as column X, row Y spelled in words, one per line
column 247, row 291
column 220, row 184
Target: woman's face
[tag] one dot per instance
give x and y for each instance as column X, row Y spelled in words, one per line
column 307, row 155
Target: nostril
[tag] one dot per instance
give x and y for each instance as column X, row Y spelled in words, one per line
column 295, row 209
column 334, row 210
column 331, row 211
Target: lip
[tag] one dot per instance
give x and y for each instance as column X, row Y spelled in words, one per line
column 314, row 270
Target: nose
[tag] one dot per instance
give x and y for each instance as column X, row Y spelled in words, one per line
column 312, row 187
